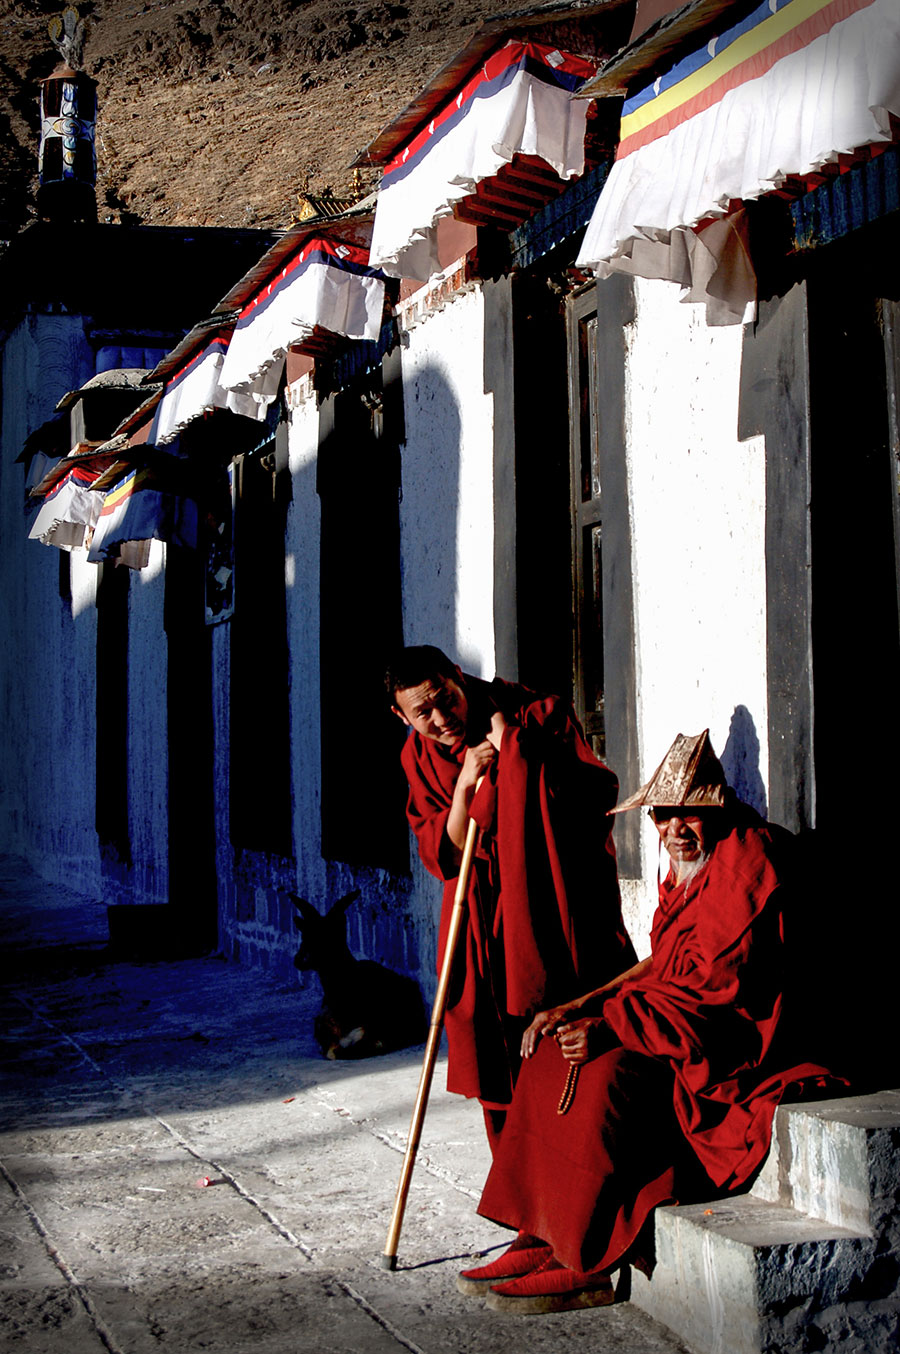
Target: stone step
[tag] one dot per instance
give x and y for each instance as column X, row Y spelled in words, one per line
column 836, row 1160
column 729, row 1273
column 809, row 1259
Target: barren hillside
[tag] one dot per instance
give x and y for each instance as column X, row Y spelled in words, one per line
column 219, row 113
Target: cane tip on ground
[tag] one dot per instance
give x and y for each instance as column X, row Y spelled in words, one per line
column 389, row 1262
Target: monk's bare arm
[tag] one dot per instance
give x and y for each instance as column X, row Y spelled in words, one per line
column 548, row 1022
column 636, row 971
column 477, row 761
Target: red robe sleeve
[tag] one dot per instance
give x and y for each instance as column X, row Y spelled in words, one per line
column 559, row 912
column 432, row 779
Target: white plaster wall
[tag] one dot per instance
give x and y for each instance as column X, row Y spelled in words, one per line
column 148, row 778
column 447, row 512
column 698, row 520
column 221, row 681
column 47, row 657
column 302, row 541
column 391, row 923
column 447, row 521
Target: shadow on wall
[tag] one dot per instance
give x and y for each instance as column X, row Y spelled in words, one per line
column 740, row 760
column 842, row 968
column 830, row 1003
column 839, row 983
column 388, row 480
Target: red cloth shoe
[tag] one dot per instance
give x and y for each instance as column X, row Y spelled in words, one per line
column 525, row 1254
column 551, row 1288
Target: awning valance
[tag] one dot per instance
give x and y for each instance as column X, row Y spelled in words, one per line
column 195, row 390
column 141, row 508
column 327, row 285
column 518, row 103
column 68, row 510
column 789, row 93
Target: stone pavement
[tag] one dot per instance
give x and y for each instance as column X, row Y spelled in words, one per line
column 125, row 1083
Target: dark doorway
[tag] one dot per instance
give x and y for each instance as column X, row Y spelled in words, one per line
column 363, row 787
column 192, row 876
column 819, row 380
column 531, row 495
column 260, row 761
column 855, row 633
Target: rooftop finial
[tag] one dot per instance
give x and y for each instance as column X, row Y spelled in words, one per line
column 67, row 158
column 67, row 33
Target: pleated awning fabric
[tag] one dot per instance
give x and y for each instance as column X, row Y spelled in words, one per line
column 795, row 88
column 196, row 390
column 328, row 285
column 69, row 508
column 141, row 508
column 519, row 102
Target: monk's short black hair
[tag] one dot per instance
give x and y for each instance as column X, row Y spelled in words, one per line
column 414, row 665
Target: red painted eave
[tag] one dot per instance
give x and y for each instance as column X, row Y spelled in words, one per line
column 355, row 227
column 591, row 30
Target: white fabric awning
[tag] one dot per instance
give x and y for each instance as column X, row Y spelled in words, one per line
column 196, row 390
column 139, row 509
column 519, row 102
column 69, row 508
column 781, row 96
column 328, row 285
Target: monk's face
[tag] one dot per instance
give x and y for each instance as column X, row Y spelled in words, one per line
column 687, row 834
column 436, row 709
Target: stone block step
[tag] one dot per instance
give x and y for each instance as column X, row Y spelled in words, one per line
column 728, row 1273
column 809, row 1259
column 836, row 1160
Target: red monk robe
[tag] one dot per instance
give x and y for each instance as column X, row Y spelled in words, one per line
column 681, row 1105
column 544, row 918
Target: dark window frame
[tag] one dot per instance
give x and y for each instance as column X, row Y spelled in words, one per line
column 596, row 319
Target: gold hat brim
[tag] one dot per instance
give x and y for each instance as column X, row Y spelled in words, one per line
column 689, row 776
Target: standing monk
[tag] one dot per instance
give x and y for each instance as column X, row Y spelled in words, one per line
column 544, row 918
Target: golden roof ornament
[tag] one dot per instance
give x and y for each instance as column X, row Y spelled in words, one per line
column 689, row 776
column 67, row 33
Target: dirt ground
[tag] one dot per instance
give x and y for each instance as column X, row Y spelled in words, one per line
column 218, row 112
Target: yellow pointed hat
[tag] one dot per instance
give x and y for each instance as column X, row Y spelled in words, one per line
column 689, row 776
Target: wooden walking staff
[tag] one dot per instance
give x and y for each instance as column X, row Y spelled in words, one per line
column 389, row 1258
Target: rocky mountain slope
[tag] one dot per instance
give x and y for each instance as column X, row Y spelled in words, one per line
column 218, row 112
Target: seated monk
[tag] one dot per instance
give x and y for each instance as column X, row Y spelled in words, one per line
column 659, row 1087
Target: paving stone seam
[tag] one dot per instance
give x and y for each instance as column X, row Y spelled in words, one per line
column 365, row 1306
column 61, row 1034
column 398, row 1145
column 236, row 1185
column 104, row 1335
column 387, row 1326
column 174, row 1133
column 102, row 1331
